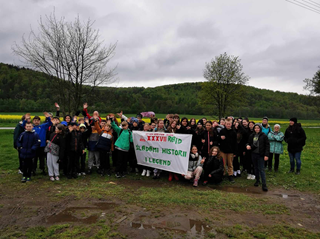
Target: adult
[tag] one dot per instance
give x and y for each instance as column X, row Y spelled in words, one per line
column 275, row 138
column 295, row 137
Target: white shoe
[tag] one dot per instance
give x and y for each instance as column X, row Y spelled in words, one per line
column 83, row 173
column 249, row 176
column 57, row 178
column 148, row 173
column 235, row 173
column 144, row 172
column 52, row 179
column 79, row 174
column 20, row 172
column 253, row 177
column 238, row 172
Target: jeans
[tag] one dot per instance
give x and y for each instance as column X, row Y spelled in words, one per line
column 297, row 157
column 258, row 162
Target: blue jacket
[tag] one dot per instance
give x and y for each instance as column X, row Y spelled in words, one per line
column 28, row 143
column 41, row 130
column 266, row 130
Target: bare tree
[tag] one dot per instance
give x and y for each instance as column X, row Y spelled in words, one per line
column 225, row 80
column 72, row 54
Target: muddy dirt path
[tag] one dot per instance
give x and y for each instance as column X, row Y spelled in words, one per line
column 30, row 206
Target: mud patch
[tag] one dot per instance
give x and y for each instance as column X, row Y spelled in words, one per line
column 86, row 215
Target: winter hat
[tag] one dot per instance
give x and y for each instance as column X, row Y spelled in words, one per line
column 265, row 118
column 135, row 120
column 82, row 125
column 64, row 123
column 199, row 122
column 295, row 120
column 277, row 125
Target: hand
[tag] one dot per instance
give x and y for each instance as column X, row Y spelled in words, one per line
column 70, row 128
column 266, row 158
column 188, row 128
column 210, row 175
column 234, row 155
column 223, row 137
column 57, row 106
column 244, row 153
column 211, row 143
column 178, row 126
column 47, row 141
column 86, row 120
column 120, row 114
column 46, row 114
column 182, row 175
column 248, row 147
column 83, row 151
column 75, row 118
column 85, row 105
column 203, row 141
column 204, row 158
column 202, row 161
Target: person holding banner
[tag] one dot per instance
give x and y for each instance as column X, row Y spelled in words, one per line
column 160, row 128
column 146, row 170
column 195, row 166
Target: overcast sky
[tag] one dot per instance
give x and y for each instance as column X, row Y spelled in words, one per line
column 169, row 41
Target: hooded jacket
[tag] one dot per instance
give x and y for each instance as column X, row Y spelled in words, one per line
column 28, row 143
column 264, row 145
column 124, row 139
column 295, row 137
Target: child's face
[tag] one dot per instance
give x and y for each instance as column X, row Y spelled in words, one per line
column 223, row 122
column 244, row 123
column 36, row 122
column 161, row 125
column 208, row 126
column 82, row 129
column 135, row 124
column 153, row 125
column 29, row 127
column 74, row 127
column 81, row 121
column 107, row 128
column 228, row 125
column 102, row 124
column 251, row 126
column 68, row 119
column 173, row 125
column 58, row 130
column 214, row 152
column 204, row 120
column 257, row 129
column 199, row 126
column 184, row 122
column 124, row 126
column 194, row 150
column 145, row 127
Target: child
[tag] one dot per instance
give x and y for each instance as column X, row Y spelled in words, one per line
column 198, row 136
column 104, row 145
column 146, row 170
column 213, row 167
column 53, row 159
column 259, row 145
column 208, row 139
column 93, row 153
column 86, row 114
column 159, row 128
column 172, row 127
column 195, row 166
column 228, row 146
column 17, row 132
column 76, row 149
column 122, row 145
column 275, row 138
column 85, row 130
column 28, row 144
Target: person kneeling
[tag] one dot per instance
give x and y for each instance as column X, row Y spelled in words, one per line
column 195, row 166
column 213, row 168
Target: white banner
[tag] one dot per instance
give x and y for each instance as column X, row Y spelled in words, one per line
column 166, row 151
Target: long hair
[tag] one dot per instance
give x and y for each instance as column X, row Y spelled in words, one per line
column 218, row 150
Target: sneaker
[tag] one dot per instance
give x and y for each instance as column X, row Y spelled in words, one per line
column 264, row 188
column 256, row 184
column 20, row 172
column 24, row 179
column 79, row 174
column 253, row 177
column 28, row 179
column 123, row 175
column 52, row 179
column 176, row 177
column 239, row 173
column 155, row 176
column 83, row 174
column 298, row 172
column 235, row 174
column 205, row 183
column 148, row 173
column 195, row 183
column 291, row 171
column 249, row 176
column 118, row 175
column 230, row 179
column 170, row 176
column 144, row 172
column 57, row 178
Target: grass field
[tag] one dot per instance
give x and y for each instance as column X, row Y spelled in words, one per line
column 162, row 207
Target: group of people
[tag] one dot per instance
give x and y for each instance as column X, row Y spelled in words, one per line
column 228, row 148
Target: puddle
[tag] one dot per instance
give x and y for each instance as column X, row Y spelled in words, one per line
column 286, row 196
column 178, row 225
column 86, row 215
column 233, row 189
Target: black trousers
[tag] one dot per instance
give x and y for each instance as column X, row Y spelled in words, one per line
column 40, row 155
column 276, row 161
column 215, row 178
column 83, row 163
column 104, row 160
column 122, row 161
column 247, row 163
column 73, row 163
column 27, row 165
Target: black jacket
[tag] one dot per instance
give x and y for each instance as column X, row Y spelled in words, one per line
column 264, row 145
column 60, row 140
column 295, row 137
column 208, row 138
column 213, row 165
column 74, row 141
column 229, row 144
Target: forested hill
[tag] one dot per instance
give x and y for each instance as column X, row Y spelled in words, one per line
column 25, row 90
